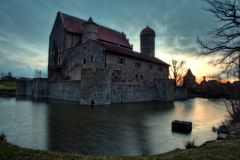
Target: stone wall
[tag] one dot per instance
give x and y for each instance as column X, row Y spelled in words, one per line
column 95, row 87
column 64, row 90
column 40, row 88
column 21, row 88
column 165, row 89
column 180, row 93
column 133, row 93
column 86, row 56
column 133, row 71
column 29, row 88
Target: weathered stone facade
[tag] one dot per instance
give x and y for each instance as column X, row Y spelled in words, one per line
column 94, row 65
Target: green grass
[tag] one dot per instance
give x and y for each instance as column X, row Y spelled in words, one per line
column 226, row 150
column 7, row 85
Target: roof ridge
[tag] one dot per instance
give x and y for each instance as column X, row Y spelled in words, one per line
column 100, row 25
column 132, row 52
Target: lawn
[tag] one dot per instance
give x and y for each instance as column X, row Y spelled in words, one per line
column 7, row 85
column 224, row 150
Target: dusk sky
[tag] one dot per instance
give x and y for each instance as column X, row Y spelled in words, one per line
column 25, row 28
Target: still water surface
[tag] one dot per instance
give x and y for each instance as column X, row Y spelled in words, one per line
column 120, row 129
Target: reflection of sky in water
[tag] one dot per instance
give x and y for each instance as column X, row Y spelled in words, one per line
column 119, row 129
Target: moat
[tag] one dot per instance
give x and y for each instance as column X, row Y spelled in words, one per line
column 118, row 129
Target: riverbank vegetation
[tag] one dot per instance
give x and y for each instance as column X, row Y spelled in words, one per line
column 7, row 85
column 215, row 150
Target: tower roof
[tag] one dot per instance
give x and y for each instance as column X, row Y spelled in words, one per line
column 89, row 21
column 148, row 31
column 189, row 73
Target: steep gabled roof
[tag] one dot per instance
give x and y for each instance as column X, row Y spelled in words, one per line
column 189, row 73
column 74, row 25
column 114, row 49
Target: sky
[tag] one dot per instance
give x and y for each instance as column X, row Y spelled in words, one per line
column 25, row 28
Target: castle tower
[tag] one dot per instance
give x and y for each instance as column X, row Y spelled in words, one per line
column 89, row 30
column 147, row 38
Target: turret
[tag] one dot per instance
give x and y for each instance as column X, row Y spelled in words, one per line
column 147, row 38
column 89, row 30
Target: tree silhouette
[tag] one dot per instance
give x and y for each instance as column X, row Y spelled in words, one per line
column 226, row 38
column 177, row 70
column 226, row 43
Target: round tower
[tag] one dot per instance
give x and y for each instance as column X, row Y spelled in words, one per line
column 147, row 38
column 89, row 30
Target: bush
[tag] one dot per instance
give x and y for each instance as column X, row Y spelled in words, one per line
column 3, row 137
column 190, row 144
column 233, row 109
column 224, row 128
column 214, row 129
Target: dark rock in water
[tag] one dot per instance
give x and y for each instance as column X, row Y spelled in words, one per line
column 181, row 126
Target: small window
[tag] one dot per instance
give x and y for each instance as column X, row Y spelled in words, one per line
column 136, row 76
column 84, row 61
column 150, row 66
column 121, row 61
column 141, row 76
column 91, row 59
column 85, row 47
column 160, row 68
column 138, row 65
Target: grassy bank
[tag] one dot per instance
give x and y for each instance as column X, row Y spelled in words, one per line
column 7, row 88
column 228, row 149
column 4, row 85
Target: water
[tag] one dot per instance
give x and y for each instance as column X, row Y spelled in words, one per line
column 120, row 129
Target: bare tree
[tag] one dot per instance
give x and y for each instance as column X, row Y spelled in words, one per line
column 225, row 41
column 226, row 38
column 177, row 70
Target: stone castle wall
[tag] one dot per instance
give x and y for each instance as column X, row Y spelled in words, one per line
column 64, row 90
column 122, row 93
column 96, row 88
column 180, row 93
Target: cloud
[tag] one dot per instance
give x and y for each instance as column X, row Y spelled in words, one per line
column 26, row 25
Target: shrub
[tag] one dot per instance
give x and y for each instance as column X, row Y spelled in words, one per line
column 3, row 137
column 190, row 144
column 214, row 129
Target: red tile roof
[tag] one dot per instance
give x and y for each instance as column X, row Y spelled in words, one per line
column 114, row 49
column 74, row 25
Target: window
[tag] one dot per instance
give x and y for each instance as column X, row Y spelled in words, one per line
column 150, row 66
column 141, row 76
column 85, row 47
column 138, row 65
column 91, row 59
column 116, row 75
column 121, row 61
column 136, row 76
column 84, row 61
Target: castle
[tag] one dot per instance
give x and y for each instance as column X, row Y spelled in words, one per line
column 94, row 65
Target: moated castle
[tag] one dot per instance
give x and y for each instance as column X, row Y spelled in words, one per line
column 95, row 65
